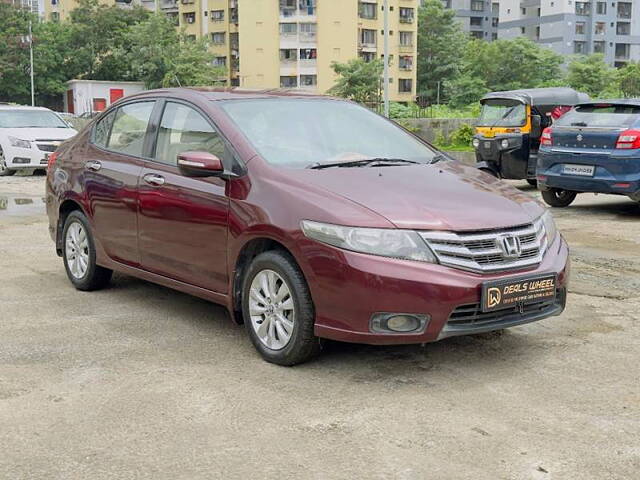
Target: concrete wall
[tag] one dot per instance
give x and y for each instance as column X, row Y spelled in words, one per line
column 428, row 128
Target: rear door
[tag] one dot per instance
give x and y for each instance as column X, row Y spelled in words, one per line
column 113, row 163
column 183, row 220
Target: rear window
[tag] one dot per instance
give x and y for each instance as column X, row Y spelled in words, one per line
column 600, row 116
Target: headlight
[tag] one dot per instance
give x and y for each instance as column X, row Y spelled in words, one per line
column 504, row 143
column 475, row 142
column 549, row 227
column 16, row 142
column 386, row 242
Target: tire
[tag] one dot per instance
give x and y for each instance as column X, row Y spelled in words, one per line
column 78, row 245
column 532, row 182
column 559, row 198
column 39, row 172
column 4, row 171
column 282, row 315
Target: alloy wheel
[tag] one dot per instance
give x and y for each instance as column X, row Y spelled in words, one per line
column 272, row 309
column 77, row 250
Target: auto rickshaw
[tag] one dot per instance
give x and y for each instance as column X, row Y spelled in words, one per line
column 510, row 125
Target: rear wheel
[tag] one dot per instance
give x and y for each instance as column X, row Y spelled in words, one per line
column 278, row 311
column 4, row 170
column 559, row 198
column 533, row 182
column 79, row 254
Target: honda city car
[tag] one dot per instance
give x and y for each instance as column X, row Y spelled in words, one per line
column 307, row 217
column 593, row 148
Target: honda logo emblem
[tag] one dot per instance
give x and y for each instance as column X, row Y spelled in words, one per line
column 510, row 246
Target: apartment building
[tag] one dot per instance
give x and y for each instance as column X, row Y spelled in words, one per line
column 477, row 17
column 57, row 10
column 292, row 43
column 576, row 27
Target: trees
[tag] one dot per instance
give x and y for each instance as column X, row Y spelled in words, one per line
column 629, row 79
column 590, row 74
column 440, row 43
column 358, row 80
column 161, row 57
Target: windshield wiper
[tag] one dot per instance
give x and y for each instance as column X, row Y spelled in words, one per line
column 361, row 163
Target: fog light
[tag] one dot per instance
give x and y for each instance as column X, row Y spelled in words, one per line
column 399, row 322
column 21, row 160
column 504, row 143
column 475, row 142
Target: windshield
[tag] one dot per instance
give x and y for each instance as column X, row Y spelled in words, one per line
column 502, row 113
column 302, row 132
column 30, row 119
column 619, row 116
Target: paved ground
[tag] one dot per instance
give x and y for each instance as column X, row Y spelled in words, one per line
column 139, row 381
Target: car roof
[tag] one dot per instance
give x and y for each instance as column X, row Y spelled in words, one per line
column 216, row 94
column 541, row 96
column 632, row 102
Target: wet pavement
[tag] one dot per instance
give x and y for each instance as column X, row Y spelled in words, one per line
column 139, row 381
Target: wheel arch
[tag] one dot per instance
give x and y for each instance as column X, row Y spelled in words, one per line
column 66, row 207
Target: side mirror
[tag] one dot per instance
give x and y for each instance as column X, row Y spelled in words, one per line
column 536, row 126
column 200, row 164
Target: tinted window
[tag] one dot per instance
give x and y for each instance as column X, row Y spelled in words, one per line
column 297, row 133
column 183, row 129
column 102, row 129
column 600, row 116
column 129, row 128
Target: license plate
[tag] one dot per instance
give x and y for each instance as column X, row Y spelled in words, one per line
column 512, row 293
column 582, row 170
column 487, row 145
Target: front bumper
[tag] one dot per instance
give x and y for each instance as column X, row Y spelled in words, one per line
column 348, row 288
column 17, row 158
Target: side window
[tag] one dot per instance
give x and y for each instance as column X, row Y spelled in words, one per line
column 129, row 128
column 102, row 128
column 183, row 129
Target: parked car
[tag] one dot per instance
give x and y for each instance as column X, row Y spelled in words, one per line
column 307, row 217
column 508, row 131
column 593, row 148
column 28, row 135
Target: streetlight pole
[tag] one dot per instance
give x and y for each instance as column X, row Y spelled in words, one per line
column 386, row 59
column 33, row 96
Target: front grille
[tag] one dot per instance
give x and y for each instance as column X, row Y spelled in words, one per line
column 47, row 148
column 482, row 251
column 472, row 314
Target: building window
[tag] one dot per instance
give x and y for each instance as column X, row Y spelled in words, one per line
column 622, row 51
column 217, row 15
column 307, row 7
column 406, row 39
column 599, row 47
column 601, row 8
column 477, row 34
column 580, row 47
column 405, row 85
column 288, row 54
column 308, row 80
column 308, row 54
column 580, row 28
column 368, row 56
column 220, row 61
column 368, row 10
column 624, row 10
column 406, row 62
column 475, row 21
column 390, row 59
column 446, row 3
column 477, row 5
column 523, row 30
column 55, row 17
column 623, row 28
column 583, row 8
column 495, row 9
column 307, row 32
column 189, row 17
column 494, row 36
column 600, row 28
column 288, row 82
column 494, row 22
column 218, row 38
column 368, row 37
column 406, row 15
column 537, row 32
column 288, row 28
column 523, row 10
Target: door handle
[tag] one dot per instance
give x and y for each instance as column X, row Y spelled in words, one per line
column 152, row 179
column 93, row 165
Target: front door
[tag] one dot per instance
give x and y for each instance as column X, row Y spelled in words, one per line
column 113, row 164
column 182, row 222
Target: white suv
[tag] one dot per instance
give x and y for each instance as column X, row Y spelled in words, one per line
column 28, row 135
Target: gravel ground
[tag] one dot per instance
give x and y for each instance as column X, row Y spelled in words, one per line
column 138, row 381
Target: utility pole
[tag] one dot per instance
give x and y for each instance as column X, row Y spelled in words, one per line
column 386, row 59
column 33, row 95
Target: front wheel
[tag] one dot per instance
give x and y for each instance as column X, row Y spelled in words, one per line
column 559, row 198
column 79, row 254
column 4, row 170
column 278, row 311
column 532, row 181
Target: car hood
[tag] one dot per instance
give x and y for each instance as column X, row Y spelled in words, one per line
column 442, row 196
column 39, row 133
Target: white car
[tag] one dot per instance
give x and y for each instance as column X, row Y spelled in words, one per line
column 28, row 135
